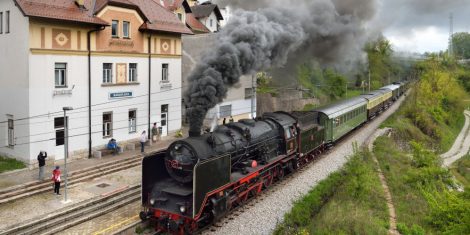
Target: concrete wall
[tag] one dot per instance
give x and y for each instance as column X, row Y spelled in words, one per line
column 14, row 67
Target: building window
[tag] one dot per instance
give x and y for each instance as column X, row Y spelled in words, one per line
column 180, row 16
column 7, row 22
column 210, row 23
column 1, row 22
column 248, row 93
column 165, row 72
column 125, row 29
column 107, row 125
column 225, row 111
column 132, row 121
column 132, row 72
column 60, row 75
column 11, row 131
column 114, row 29
column 59, row 127
column 107, row 73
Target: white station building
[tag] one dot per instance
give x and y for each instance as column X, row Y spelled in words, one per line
column 116, row 63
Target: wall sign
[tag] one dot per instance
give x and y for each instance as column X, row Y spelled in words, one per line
column 117, row 95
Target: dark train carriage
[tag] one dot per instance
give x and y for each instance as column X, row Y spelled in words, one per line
column 340, row 118
column 310, row 132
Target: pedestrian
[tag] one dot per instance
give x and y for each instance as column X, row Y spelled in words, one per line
column 231, row 119
column 155, row 132
column 223, row 122
column 41, row 162
column 56, row 179
column 112, row 145
column 143, row 139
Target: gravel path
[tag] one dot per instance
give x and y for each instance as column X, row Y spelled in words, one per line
column 461, row 145
column 383, row 181
column 263, row 217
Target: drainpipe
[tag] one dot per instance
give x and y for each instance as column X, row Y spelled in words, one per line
column 150, row 80
column 88, row 38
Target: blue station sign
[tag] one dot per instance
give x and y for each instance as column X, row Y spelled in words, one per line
column 116, row 95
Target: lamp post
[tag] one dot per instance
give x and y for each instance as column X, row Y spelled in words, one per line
column 66, row 147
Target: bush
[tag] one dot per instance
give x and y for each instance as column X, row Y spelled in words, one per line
column 414, row 230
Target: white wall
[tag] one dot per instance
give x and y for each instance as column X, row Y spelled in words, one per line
column 206, row 21
column 14, row 78
column 42, row 100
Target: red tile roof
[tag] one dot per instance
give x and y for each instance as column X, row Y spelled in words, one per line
column 158, row 18
column 65, row 10
column 195, row 24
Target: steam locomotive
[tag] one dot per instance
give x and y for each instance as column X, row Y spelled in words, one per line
column 199, row 179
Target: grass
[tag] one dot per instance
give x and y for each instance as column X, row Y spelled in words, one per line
column 350, row 201
column 8, row 164
column 461, row 170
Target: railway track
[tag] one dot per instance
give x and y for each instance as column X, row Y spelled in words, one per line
column 77, row 214
column 74, row 177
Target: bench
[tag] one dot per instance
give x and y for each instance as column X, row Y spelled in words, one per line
column 105, row 151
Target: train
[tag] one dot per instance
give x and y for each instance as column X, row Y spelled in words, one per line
column 199, row 179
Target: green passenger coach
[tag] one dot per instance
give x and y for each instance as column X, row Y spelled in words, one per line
column 340, row 118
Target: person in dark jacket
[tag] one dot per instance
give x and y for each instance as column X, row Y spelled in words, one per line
column 56, row 179
column 42, row 163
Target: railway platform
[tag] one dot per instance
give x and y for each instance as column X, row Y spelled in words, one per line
column 24, row 199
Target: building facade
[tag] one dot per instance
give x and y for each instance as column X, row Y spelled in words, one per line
column 116, row 63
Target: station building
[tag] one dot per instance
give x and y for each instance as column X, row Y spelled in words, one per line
column 117, row 63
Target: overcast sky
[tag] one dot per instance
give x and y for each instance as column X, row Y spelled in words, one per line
column 421, row 25
column 415, row 25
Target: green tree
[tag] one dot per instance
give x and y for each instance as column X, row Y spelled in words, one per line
column 335, row 84
column 461, row 45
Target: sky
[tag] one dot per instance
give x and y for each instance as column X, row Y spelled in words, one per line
column 421, row 25
column 415, row 25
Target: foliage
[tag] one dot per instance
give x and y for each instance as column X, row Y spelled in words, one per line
column 335, row 84
column 461, row 170
column 414, row 230
column 381, row 64
column 350, row 201
column 461, row 45
column 8, row 164
column 264, row 84
column 179, row 133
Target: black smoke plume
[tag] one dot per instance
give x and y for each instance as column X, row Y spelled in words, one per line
column 266, row 37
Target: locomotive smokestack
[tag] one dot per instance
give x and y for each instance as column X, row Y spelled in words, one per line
column 194, row 133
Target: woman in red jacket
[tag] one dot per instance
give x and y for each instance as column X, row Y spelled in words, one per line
column 56, row 179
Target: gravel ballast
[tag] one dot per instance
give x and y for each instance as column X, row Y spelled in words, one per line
column 263, row 217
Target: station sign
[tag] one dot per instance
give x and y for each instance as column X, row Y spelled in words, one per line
column 118, row 95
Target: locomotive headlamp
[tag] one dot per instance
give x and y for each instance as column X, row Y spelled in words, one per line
column 152, row 201
column 182, row 209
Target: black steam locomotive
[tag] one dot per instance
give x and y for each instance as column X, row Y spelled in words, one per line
column 199, row 179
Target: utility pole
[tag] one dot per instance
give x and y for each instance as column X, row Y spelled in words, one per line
column 66, row 148
column 253, row 115
column 451, row 33
column 369, row 79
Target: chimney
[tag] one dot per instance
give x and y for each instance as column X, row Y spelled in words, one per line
column 80, row 3
column 194, row 133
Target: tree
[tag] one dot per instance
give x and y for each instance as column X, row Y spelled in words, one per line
column 461, row 45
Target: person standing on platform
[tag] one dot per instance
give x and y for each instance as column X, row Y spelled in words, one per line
column 155, row 132
column 42, row 163
column 143, row 139
column 56, row 179
column 231, row 119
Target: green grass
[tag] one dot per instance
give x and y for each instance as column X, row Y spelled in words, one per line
column 8, row 164
column 461, row 170
column 350, row 201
